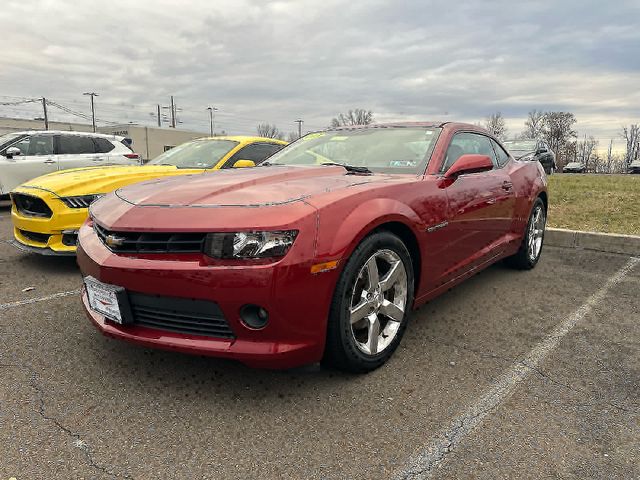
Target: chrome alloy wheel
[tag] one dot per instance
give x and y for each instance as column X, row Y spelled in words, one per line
column 536, row 232
column 378, row 302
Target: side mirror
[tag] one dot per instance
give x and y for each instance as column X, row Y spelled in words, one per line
column 244, row 164
column 469, row 163
column 12, row 152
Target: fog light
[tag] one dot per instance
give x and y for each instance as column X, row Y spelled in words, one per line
column 254, row 316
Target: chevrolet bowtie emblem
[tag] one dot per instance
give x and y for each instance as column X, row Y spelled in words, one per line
column 114, row 240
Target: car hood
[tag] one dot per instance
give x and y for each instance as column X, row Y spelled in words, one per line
column 94, row 180
column 255, row 187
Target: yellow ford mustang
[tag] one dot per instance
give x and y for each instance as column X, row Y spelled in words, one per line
column 48, row 211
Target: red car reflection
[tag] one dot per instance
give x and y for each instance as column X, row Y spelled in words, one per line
column 320, row 254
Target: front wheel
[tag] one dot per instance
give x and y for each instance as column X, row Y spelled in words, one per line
column 371, row 304
column 530, row 249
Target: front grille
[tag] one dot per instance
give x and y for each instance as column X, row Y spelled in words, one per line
column 35, row 237
column 81, row 201
column 182, row 315
column 31, row 206
column 146, row 242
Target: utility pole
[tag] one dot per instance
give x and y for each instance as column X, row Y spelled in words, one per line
column 44, row 110
column 93, row 111
column 159, row 121
column 212, row 119
column 173, row 113
column 299, row 122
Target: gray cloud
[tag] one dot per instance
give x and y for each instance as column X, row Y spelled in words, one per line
column 277, row 61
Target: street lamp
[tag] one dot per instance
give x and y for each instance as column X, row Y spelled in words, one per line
column 212, row 117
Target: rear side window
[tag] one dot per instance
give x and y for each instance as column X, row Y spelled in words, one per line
column 258, row 152
column 103, row 145
column 75, row 145
column 501, row 155
column 468, row 143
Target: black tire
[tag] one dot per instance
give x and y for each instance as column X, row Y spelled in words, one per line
column 522, row 260
column 342, row 350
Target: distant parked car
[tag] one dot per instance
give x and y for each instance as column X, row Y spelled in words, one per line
column 30, row 154
column 635, row 166
column 533, row 150
column 573, row 167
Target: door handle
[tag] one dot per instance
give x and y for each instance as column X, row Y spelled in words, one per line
column 507, row 186
column 49, row 161
column 97, row 159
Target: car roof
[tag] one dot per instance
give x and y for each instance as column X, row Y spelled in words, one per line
column 68, row 132
column 422, row 124
column 244, row 138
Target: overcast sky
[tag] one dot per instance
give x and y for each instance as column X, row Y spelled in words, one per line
column 261, row 61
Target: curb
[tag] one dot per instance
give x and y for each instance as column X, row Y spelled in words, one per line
column 601, row 242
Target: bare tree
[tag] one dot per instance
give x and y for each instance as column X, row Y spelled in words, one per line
column 585, row 151
column 631, row 134
column 358, row 116
column 495, row 124
column 292, row 137
column 269, row 131
column 558, row 132
column 534, row 125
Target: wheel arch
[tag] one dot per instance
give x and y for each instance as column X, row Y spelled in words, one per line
column 365, row 220
column 408, row 237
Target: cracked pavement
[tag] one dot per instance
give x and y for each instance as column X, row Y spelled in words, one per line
column 74, row 404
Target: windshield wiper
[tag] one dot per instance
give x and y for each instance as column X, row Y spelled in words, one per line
column 349, row 168
column 269, row 164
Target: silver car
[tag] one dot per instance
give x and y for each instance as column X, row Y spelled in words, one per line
column 30, row 154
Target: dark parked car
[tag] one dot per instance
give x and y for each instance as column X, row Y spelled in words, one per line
column 573, row 167
column 533, row 150
column 634, row 167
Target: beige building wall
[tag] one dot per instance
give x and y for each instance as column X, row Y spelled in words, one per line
column 8, row 125
column 150, row 142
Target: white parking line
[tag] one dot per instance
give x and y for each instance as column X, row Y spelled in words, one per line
column 19, row 303
column 435, row 451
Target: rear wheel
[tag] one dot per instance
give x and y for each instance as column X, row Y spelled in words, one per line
column 529, row 252
column 371, row 305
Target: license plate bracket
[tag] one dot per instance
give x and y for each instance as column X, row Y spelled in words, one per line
column 109, row 300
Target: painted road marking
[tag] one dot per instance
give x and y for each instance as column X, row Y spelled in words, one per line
column 435, row 451
column 19, row 303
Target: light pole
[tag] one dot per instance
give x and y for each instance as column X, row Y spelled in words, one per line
column 212, row 117
column 93, row 111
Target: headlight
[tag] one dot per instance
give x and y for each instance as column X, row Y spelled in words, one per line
column 249, row 244
column 80, row 201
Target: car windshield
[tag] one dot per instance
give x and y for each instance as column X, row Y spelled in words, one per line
column 195, row 154
column 528, row 145
column 383, row 150
column 8, row 138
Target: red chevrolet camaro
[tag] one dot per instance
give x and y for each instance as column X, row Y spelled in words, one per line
column 320, row 254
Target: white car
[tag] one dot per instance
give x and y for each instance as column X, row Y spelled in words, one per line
column 30, row 154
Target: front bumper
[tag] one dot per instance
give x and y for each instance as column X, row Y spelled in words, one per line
column 54, row 235
column 297, row 301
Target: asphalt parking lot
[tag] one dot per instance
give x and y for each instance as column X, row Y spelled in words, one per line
column 510, row 375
